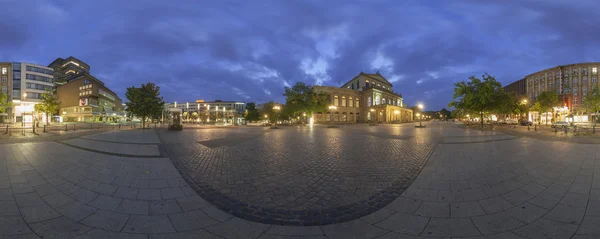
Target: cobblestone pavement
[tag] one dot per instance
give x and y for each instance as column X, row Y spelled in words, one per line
column 301, row 175
column 491, row 188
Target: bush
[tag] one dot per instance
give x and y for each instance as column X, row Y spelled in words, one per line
column 176, row 127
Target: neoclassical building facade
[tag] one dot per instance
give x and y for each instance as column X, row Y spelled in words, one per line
column 364, row 98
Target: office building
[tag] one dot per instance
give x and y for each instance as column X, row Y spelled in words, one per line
column 83, row 97
column 25, row 83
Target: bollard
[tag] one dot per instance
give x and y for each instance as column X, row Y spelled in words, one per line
column 555, row 129
column 73, row 127
column 44, row 128
column 113, row 127
column 23, row 130
column 119, row 126
column 593, row 129
column 66, row 127
column 535, row 127
column 528, row 129
column 6, row 129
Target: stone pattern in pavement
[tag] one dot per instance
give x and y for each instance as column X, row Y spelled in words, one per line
column 520, row 188
column 299, row 176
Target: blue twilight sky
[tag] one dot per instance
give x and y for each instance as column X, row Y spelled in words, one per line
column 249, row 50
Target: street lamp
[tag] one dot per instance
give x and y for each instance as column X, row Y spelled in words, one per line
column 332, row 108
column 418, row 115
column 277, row 108
column 304, row 116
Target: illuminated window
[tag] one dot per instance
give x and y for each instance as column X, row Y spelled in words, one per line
column 356, row 103
column 377, row 100
column 4, row 70
column 594, row 70
column 336, row 101
column 382, row 100
column 350, row 102
column 367, row 84
column 369, row 101
column 343, row 101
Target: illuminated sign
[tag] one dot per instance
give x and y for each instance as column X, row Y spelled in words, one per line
column 83, row 102
column 199, row 101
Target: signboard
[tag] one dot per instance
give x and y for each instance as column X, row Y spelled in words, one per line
column 199, row 101
column 83, row 102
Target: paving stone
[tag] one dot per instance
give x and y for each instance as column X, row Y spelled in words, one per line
column 473, row 194
column 426, row 194
column 60, row 227
column 105, row 189
column 104, row 234
column 545, row 200
column 517, row 197
column 84, row 195
column 57, row 199
column 6, row 195
column 433, row 209
column 128, row 193
column 593, row 208
column 527, row 212
column 149, row 194
column 566, row 214
column 449, row 196
column 589, row 226
column 9, row 208
column 200, row 233
column 192, row 203
column 171, row 193
column 106, row 220
column 377, row 216
column 191, row 220
column 466, row 209
column 404, row 205
column 404, row 223
column 294, row 231
column 164, row 207
column 38, row 212
column 494, row 204
column 76, row 211
column 106, row 202
column 450, row 227
column 158, row 183
column 575, row 200
column 351, row 229
column 148, row 224
column 129, row 206
column 45, row 189
column 544, row 228
column 13, row 225
column 496, row 223
column 216, row 213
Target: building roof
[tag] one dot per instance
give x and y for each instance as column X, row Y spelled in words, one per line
column 376, row 76
column 560, row 66
column 59, row 62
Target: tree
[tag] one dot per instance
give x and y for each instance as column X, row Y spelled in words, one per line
column 591, row 101
column 548, row 100
column 144, row 101
column 252, row 112
column 475, row 95
column 5, row 104
column 268, row 111
column 445, row 114
column 302, row 98
column 49, row 105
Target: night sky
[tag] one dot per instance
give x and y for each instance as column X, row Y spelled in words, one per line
column 249, row 50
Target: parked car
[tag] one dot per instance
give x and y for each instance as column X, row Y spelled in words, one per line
column 511, row 121
column 560, row 124
column 525, row 123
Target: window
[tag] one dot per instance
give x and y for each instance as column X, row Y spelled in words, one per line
column 558, row 92
column 574, row 72
column 584, row 80
column 343, row 101
column 377, row 100
column 389, row 102
column 4, row 89
column 594, row 70
column 39, row 70
column 367, row 84
column 4, row 71
column 350, row 101
column 382, row 100
column 369, row 101
column 39, row 78
column 4, row 79
column 584, row 71
column 574, row 100
column 584, row 90
column 575, row 90
column 336, row 100
column 594, row 79
column 353, row 85
column 356, row 103
column 575, row 81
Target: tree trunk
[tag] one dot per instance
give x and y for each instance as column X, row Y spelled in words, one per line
column 143, row 122
column 481, row 118
column 47, row 119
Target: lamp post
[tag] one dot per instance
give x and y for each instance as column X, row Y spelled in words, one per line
column 276, row 109
column 420, row 108
column 304, row 115
column 332, row 108
column 420, row 116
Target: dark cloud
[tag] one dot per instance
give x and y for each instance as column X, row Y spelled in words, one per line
column 250, row 50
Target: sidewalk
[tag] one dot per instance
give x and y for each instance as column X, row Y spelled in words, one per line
column 545, row 132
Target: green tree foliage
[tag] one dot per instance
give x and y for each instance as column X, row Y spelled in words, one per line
column 547, row 101
column 48, row 105
column 252, row 112
column 144, row 101
column 478, row 95
column 5, row 104
column 268, row 111
column 445, row 114
column 591, row 101
column 302, row 98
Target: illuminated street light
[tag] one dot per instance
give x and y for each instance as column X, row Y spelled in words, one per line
column 277, row 108
column 420, row 118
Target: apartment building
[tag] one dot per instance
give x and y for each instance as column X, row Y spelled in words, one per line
column 218, row 111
